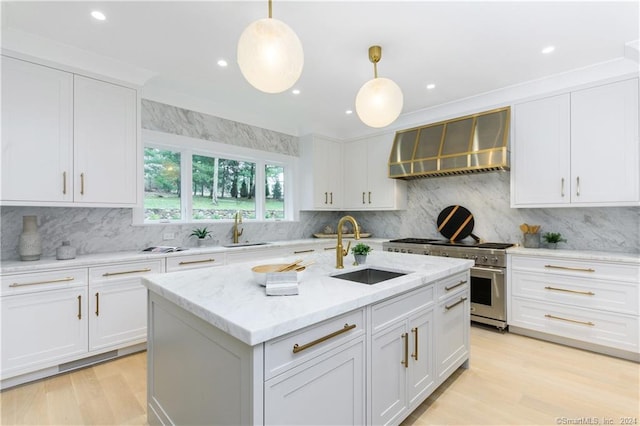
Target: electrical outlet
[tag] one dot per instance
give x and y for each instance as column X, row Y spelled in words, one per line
column 169, row 236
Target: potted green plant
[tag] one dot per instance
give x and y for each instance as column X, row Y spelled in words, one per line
column 552, row 239
column 201, row 234
column 360, row 252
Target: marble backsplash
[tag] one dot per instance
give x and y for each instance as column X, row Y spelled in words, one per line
column 615, row 229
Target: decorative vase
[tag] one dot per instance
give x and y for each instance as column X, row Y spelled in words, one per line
column 532, row 240
column 361, row 259
column 65, row 251
column 30, row 246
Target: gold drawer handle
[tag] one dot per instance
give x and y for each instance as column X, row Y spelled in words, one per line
column 329, row 248
column 347, row 327
column 589, row 323
column 81, row 183
column 97, row 304
column 569, row 268
column 64, row 183
column 79, row 307
column 587, row 293
column 414, row 355
column 60, row 280
column 108, row 274
column 405, row 362
column 462, row 299
column 463, row 282
column 190, row 262
column 303, row 251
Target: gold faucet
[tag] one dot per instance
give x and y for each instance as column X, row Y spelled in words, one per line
column 340, row 253
column 236, row 232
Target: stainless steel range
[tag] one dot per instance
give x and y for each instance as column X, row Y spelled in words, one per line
column 488, row 299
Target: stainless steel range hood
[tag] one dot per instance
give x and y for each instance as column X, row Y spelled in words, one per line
column 471, row 144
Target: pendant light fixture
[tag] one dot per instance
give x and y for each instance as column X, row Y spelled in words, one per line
column 379, row 100
column 270, row 55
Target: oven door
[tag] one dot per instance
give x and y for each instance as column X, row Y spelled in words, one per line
column 488, row 294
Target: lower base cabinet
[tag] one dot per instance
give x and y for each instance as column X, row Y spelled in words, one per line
column 452, row 334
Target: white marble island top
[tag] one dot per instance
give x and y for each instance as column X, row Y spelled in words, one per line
column 228, row 298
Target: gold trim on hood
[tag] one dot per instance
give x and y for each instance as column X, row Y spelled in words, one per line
column 474, row 143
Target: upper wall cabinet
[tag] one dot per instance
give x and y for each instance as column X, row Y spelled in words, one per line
column 67, row 139
column 578, row 149
column 321, row 173
column 367, row 185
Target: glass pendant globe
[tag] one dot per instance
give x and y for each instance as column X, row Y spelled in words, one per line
column 270, row 55
column 379, row 102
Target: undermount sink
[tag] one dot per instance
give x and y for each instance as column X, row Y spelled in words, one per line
column 369, row 275
column 243, row 244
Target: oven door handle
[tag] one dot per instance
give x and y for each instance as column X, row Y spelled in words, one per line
column 499, row 271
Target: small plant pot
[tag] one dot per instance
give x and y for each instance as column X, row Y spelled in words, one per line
column 361, row 259
column 532, row 240
column 552, row 245
column 202, row 242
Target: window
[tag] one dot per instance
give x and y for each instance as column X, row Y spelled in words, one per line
column 189, row 180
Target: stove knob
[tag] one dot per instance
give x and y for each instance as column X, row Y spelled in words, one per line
column 403, row 251
column 485, row 258
column 445, row 254
column 474, row 257
column 494, row 260
column 466, row 256
column 409, row 251
column 426, row 253
column 389, row 249
column 396, row 250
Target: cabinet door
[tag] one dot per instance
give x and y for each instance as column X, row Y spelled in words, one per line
column 37, row 138
column 105, row 143
column 43, row 329
column 540, row 153
column 453, row 334
column 383, row 192
column 328, row 390
column 421, row 367
column 355, row 175
column 388, row 374
column 604, row 144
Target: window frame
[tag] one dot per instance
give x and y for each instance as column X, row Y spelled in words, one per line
column 188, row 146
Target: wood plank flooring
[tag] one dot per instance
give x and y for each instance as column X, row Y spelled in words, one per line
column 512, row 380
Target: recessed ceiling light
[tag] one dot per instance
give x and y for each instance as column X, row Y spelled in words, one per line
column 348, row 112
column 222, row 63
column 296, row 91
column 548, row 49
column 431, row 86
column 98, row 15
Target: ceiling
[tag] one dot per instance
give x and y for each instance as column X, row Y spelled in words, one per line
column 464, row 48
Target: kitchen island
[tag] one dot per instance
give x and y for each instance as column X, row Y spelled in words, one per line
column 339, row 352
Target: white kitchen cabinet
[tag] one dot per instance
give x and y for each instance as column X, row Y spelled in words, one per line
column 366, row 182
column 44, row 320
column 118, row 304
column 578, row 148
column 321, row 173
column 402, row 358
column 66, row 139
column 37, row 133
column 589, row 304
column 452, row 334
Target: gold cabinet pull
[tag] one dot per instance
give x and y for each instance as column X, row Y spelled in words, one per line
column 463, row 282
column 190, row 262
column 369, row 197
column 331, row 198
column 79, row 307
column 414, row 355
column 562, row 188
column 567, row 268
column 303, row 251
column 578, row 186
column 109, row 274
column 81, row 183
column 326, row 198
column 589, row 323
column 64, row 183
column 405, row 361
column 363, row 197
column 462, row 299
column 59, row 280
column 297, row 348
column 587, row 293
column 97, row 304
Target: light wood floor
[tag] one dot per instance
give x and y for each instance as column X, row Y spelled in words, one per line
column 513, row 380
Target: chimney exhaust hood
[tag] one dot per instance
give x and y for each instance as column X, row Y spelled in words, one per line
column 471, row 144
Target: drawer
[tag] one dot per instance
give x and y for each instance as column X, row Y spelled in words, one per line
column 452, row 285
column 124, row 270
column 311, row 342
column 614, row 296
column 193, row 261
column 577, row 268
column 42, row 281
column 240, row 256
column 401, row 306
column 603, row 328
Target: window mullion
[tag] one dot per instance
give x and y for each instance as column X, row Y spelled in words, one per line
column 186, row 190
column 260, row 191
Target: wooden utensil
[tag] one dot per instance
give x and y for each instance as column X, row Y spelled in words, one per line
column 524, row 228
column 289, row 266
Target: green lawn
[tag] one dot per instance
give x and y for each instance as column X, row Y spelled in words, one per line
column 166, row 201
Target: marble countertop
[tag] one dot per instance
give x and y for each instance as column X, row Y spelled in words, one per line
column 577, row 254
column 228, row 298
column 47, row 263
